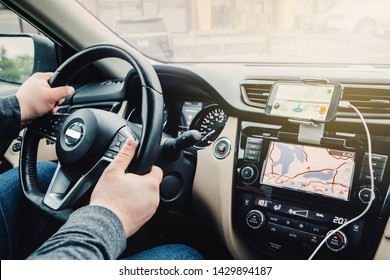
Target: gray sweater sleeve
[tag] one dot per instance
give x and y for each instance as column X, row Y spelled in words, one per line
column 91, row 232
column 10, row 123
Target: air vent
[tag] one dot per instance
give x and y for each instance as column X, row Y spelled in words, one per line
column 372, row 102
column 106, row 106
column 255, row 93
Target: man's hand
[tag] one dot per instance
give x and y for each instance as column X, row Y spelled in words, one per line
column 133, row 198
column 36, row 97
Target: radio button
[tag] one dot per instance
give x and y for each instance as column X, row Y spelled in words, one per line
column 252, row 152
column 250, row 146
column 250, row 157
column 253, row 140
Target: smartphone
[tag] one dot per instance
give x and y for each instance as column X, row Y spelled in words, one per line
column 305, row 101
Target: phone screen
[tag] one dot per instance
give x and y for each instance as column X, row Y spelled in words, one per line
column 299, row 100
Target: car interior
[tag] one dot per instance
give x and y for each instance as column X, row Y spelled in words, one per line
column 261, row 160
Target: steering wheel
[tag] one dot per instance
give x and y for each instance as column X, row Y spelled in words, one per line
column 88, row 139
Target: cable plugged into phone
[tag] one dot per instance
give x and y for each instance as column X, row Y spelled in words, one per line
column 346, row 104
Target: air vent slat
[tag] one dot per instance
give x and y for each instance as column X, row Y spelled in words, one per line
column 255, row 93
column 373, row 103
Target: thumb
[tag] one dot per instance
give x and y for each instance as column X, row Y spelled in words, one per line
column 124, row 157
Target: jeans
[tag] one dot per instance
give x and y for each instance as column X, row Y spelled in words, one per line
column 168, row 252
column 23, row 229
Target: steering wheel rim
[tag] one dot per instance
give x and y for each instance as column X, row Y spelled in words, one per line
column 149, row 141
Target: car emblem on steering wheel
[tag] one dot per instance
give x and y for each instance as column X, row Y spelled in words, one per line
column 74, row 134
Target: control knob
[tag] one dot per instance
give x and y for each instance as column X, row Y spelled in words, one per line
column 337, row 241
column 249, row 173
column 365, row 195
column 255, row 219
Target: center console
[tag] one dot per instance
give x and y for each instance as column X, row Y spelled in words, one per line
column 288, row 195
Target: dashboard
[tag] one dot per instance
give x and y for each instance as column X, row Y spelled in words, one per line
column 260, row 214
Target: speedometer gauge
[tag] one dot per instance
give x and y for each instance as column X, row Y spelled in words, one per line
column 209, row 122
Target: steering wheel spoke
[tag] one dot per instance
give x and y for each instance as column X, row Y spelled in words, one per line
column 63, row 193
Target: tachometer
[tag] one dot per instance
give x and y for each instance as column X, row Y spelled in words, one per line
column 209, row 122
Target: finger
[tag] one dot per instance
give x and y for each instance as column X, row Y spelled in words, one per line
column 54, row 110
column 47, row 75
column 59, row 102
column 59, row 93
column 44, row 75
column 124, row 157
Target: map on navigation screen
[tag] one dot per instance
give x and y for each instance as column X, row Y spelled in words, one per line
column 303, row 101
column 309, row 169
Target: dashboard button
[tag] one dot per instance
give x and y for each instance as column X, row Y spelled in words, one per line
column 253, row 140
column 294, row 234
column 247, row 200
column 250, row 157
column 252, row 152
column 354, row 231
column 275, row 218
column 274, row 228
column 287, row 222
column 250, row 146
column 312, row 239
column 255, row 219
column 222, row 148
column 316, row 229
column 299, row 225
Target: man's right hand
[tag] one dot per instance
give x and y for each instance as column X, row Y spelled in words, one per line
column 133, row 198
column 36, row 97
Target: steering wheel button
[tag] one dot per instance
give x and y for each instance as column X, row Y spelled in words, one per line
column 115, row 148
column 121, row 138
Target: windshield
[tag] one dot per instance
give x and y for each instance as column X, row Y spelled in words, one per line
column 252, row 31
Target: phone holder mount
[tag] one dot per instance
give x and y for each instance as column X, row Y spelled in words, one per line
column 310, row 131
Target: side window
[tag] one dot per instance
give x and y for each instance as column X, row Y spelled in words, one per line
column 16, row 51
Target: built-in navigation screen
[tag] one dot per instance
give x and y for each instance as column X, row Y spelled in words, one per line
column 298, row 100
column 310, row 169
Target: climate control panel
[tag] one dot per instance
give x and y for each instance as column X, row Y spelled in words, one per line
column 301, row 227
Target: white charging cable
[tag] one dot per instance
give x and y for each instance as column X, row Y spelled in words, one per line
column 346, row 104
